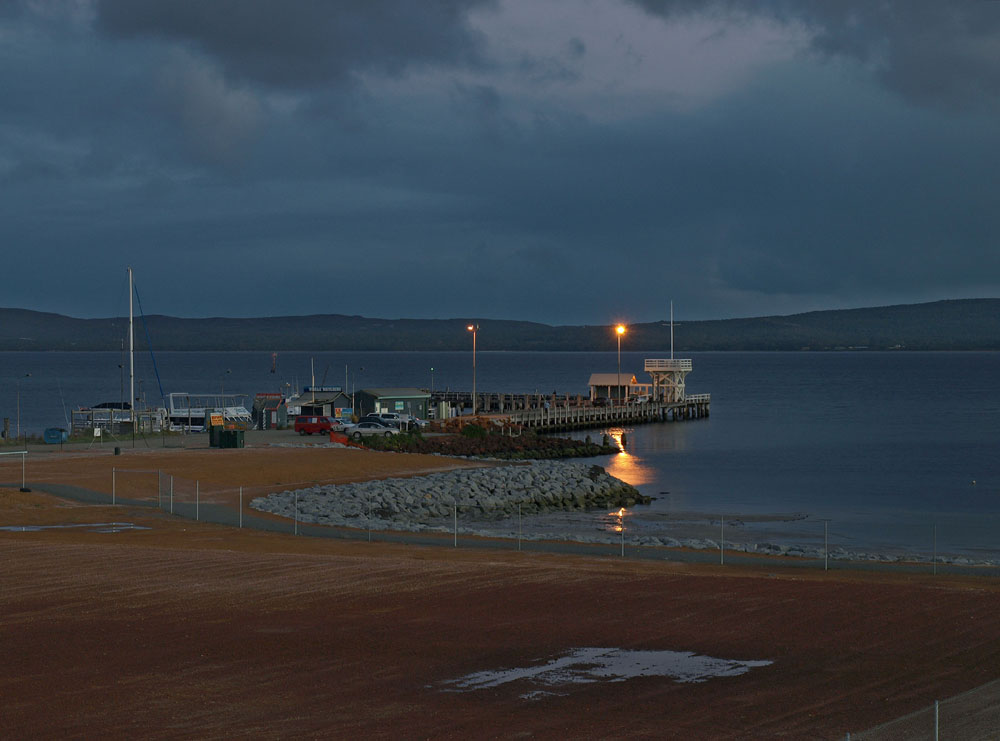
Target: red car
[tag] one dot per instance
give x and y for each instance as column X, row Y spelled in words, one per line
column 323, row 425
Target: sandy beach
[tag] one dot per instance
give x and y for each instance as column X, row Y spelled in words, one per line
column 188, row 629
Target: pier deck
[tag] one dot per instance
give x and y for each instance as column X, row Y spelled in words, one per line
column 578, row 417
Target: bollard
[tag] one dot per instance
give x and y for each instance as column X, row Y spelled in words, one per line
column 171, row 494
column 112, row 485
column 518, row 527
column 455, row 510
column 296, row 515
column 241, row 507
column 197, row 500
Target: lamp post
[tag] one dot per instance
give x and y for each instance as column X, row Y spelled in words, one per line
column 432, row 379
column 474, row 328
column 620, row 330
column 222, row 383
column 26, row 375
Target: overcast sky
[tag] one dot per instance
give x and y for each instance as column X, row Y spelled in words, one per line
column 562, row 162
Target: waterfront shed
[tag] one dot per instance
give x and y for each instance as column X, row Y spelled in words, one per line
column 322, row 401
column 612, row 386
column 270, row 412
column 411, row 401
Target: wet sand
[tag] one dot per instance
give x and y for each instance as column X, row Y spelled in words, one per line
column 194, row 630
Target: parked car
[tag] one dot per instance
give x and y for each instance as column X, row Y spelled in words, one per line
column 369, row 427
column 310, row 425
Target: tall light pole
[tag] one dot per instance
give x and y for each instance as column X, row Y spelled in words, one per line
column 474, row 328
column 26, row 375
column 620, row 330
column 432, row 379
column 222, row 383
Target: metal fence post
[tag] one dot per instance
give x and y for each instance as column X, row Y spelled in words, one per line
column 24, row 485
column 826, row 545
column 241, row 507
column 113, row 485
column 159, row 492
column 369, row 516
column 171, row 493
column 455, row 511
column 519, row 527
column 936, row 719
column 722, row 543
column 623, row 534
column 197, row 500
column 934, row 560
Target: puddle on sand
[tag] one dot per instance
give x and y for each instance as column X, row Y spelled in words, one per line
column 586, row 665
column 96, row 527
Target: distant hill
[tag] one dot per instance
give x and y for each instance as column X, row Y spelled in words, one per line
column 968, row 324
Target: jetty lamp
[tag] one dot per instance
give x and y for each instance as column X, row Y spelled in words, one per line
column 474, row 328
column 620, row 330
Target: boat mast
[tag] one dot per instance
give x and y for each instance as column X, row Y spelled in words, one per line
column 671, row 330
column 131, row 356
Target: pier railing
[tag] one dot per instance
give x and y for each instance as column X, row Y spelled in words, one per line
column 576, row 417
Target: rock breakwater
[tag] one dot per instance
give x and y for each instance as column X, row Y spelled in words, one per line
column 420, row 502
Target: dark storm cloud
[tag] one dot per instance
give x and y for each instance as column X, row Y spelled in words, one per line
column 304, row 43
column 929, row 51
column 515, row 160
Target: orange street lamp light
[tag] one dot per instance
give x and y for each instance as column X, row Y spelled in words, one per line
column 620, row 330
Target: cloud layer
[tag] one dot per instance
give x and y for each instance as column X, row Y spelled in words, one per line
column 566, row 162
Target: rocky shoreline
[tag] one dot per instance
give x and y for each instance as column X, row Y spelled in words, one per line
column 480, row 497
column 420, row 502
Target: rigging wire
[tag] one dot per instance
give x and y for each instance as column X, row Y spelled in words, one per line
column 149, row 344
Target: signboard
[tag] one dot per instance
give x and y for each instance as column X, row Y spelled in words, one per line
column 328, row 389
column 216, row 419
column 400, row 406
column 343, row 412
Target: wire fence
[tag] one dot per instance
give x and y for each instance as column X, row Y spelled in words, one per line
column 442, row 518
column 970, row 716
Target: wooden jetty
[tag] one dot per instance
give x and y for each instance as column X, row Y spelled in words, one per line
column 570, row 417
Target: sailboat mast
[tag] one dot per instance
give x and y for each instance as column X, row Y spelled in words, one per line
column 131, row 354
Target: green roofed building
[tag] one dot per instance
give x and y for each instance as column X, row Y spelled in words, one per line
column 409, row 401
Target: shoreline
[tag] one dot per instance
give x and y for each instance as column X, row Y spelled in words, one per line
column 471, row 502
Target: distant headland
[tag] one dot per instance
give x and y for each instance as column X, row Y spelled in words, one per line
column 965, row 324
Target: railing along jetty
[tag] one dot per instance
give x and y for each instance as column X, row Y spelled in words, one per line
column 568, row 417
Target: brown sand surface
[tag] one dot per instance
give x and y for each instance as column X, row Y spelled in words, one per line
column 188, row 630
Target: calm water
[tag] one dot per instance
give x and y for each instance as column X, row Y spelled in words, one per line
column 884, row 445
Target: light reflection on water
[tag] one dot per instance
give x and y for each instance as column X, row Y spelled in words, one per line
column 629, row 468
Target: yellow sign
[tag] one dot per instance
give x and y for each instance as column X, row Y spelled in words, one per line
column 216, row 420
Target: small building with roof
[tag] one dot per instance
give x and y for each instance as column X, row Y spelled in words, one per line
column 321, row 401
column 411, row 401
column 613, row 386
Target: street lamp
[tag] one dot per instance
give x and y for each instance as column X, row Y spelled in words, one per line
column 222, row 382
column 474, row 328
column 620, row 330
column 432, row 379
column 26, row 375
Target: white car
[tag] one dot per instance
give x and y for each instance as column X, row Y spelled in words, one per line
column 362, row 429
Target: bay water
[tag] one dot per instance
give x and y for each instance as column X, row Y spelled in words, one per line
column 886, row 451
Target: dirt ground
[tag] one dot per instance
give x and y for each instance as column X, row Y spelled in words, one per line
column 191, row 630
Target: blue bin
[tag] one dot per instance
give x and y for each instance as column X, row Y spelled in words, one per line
column 55, row 435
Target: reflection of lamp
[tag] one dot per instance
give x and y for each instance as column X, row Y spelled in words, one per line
column 473, row 328
column 620, row 330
